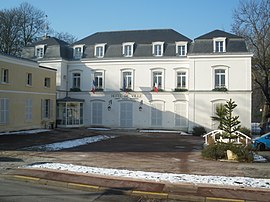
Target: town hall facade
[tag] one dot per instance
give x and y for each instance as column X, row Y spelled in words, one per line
column 147, row 78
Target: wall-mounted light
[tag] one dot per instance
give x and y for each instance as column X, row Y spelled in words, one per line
column 109, row 105
column 140, row 107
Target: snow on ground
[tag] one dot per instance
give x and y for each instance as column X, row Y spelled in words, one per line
column 70, row 143
column 99, row 129
column 164, row 131
column 159, row 177
column 25, row 132
column 259, row 158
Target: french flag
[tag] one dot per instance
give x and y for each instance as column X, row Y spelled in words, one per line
column 155, row 87
column 93, row 87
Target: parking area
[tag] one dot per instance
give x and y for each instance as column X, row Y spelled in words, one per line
column 130, row 149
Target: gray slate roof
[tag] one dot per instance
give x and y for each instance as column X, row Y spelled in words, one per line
column 204, row 43
column 137, row 36
column 54, row 49
column 143, row 39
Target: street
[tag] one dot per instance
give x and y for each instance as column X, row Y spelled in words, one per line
column 28, row 192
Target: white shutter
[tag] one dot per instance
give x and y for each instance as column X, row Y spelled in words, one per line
column 181, row 118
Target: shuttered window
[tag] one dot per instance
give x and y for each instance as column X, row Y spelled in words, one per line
column 4, row 110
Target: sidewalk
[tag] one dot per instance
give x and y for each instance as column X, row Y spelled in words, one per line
column 184, row 192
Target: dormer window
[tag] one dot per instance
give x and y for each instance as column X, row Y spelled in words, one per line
column 157, row 48
column 127, row 49
column 219, row 44
column 181, row 48
column 100, row 50
column 78, row 52
column 39, row 51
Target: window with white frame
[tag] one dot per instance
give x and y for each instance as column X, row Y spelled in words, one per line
column 181, row 80
column 220, row 78
column 158, row 78
column 28, row 110
column 219, row 44
column 181, row 115
column 100, row 50
column 127, row 80
column 5, row 75
column 47, row 82
column 181, row 48
column 97, row 108
column 78, row 51
column 76, row 80
column 39, row 51
column 4, row 110
column 157, row 48
column 156, row 113
column 99, row 79
column 29, row 79
column 127, row 49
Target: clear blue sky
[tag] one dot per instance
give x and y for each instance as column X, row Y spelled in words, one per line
column 81, row 18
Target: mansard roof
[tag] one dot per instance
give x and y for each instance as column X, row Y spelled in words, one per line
column 137, row 36
column 50, row 41
column 217, row 33
column 204, row 43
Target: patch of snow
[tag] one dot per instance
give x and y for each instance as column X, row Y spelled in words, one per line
column 159, row 177
column 259, row 158
column 159, row 131
column 101, row 129
column 70, row 143
column 25, row 132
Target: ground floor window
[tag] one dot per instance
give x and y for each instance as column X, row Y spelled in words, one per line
column 28, row 110
column 4, row 104
column 180, row 109
column 126, row 114
column 97, row 113
column 156, row 114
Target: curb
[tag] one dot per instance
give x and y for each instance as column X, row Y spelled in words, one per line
column 183, row 191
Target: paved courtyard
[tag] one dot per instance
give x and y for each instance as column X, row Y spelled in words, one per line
column 160, row 152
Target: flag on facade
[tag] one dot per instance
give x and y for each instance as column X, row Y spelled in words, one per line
column 155, row 87
column 93, row 87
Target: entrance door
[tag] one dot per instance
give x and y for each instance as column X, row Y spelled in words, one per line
column 126, row 115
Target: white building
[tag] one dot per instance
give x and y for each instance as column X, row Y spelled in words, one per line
column 125, row 67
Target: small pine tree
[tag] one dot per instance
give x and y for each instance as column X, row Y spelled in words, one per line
column 230, row 123
column 220, row 113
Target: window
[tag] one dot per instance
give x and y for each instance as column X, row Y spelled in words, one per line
column 28, row 110
column 158, row 79
column 128, row 49
column 78, row 51
column 127, row 80
column 219, row 44
column 39, row 51
column 181, row 48
column 181, row 114
column 100, row 50
column 29, row 79
column 76, row 80
column 4, row 104
column 220, row 78
column 47, row 108
column 97, row 113
column 156, row 113
column 181, row 80
column 157, row 48
column 5, row 76
column 47, row 82
column 98, row 80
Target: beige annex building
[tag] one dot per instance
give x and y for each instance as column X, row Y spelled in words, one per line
column 27, row 94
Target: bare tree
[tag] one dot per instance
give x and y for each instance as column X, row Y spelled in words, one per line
column 252, row 21
column 67, row 37
column 20, row 26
